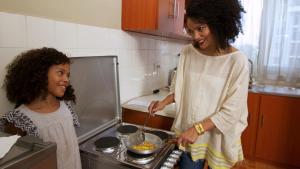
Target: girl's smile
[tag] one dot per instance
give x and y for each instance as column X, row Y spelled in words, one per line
column 58, row 79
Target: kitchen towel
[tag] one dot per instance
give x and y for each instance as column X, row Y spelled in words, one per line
column 6, row 143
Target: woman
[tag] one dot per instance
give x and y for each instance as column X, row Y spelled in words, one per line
column 210, row 88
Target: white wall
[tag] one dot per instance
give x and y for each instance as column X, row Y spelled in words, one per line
column 103, row 13
column 144, row 60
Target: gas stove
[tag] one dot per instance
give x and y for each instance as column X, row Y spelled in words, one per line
column 102, row 135
column 109, row 149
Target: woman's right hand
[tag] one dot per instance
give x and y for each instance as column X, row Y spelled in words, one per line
column 155, row 106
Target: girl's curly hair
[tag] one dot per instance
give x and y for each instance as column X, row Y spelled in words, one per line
column 223, row 17
column 27, row 76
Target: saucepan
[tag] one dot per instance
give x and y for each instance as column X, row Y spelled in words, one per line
column 134, row 140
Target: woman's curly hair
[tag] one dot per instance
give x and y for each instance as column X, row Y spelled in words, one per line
column 27, row 76
column 223, row 17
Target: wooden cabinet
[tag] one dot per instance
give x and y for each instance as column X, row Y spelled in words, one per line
column 137, row 117
column 178, row 28
column 156, row 17
column 273, row 128
column 249, row 135
column 272, row 134
column 278, row 138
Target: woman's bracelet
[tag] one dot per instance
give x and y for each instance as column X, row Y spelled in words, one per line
column 199, row 128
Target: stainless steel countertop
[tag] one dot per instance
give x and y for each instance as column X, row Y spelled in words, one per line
column 27, row 152
column 275, row 90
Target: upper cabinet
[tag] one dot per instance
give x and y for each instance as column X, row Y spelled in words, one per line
column 156, row 17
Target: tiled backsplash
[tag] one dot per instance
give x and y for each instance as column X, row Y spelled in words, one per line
column 144, row 60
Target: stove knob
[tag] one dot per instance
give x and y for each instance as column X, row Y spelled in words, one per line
column 172, row 160
column 169, row 164
column 165, row 167
column 176, row 156
column 178, row 152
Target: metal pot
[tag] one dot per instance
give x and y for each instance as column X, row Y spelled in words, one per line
column 133, row 140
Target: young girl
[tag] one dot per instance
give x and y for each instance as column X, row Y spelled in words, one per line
column 211, row 87
column 37, row 82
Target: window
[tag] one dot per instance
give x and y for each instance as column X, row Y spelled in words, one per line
column 279, row 46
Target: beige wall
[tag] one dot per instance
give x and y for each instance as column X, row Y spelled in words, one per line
column 102, row 13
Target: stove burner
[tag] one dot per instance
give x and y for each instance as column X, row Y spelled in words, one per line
column 140, row 158
column 127, row 129
column 162, row 135
column 107, row 144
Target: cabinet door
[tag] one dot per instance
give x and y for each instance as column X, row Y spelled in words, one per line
column 156, row 17
column 249, row 135
column 137, row 117
column 179, row 18
column 166, row 14
column 139, row 15
column 278, row 138
column 171, row 18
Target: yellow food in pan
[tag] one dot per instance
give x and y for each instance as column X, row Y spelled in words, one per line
column 144, row 146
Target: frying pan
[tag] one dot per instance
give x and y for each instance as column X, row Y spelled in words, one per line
column 133, row 139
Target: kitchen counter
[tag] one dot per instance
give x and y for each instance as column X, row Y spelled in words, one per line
column 275, row 90
column 142, row 103
column 31, row 153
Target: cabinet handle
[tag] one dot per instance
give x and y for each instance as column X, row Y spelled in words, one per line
column 175, row 9
column 177, row 12
column 262, row 120
column 172, row 8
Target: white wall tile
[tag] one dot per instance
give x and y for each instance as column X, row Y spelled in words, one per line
column 148, row 43
column 102, row 40
column 40, row 32
column 65, row 35
column 138, row 54
column 117, row 39
column 124, row 58
column 151, row 57
column 131, row 40
column 161, row 45
column 128, row 91
column 12, row 30
column 138, row 58
column 89, row 37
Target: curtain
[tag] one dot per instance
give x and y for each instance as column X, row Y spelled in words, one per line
column 278, row 60
column 248, row 41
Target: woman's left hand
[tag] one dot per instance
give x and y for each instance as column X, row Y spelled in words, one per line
column 188, row 137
